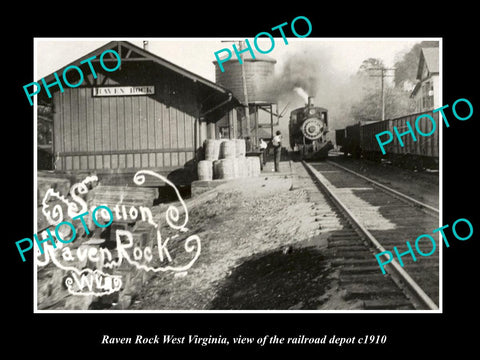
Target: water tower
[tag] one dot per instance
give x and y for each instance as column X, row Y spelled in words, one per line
column 248, row 82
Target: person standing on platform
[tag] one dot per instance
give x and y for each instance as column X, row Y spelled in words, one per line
column 263, row 149
column 277, row 149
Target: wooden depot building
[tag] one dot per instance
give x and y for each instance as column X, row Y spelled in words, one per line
column 148, row 114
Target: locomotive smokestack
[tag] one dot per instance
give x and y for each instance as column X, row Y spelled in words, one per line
column 310, row 101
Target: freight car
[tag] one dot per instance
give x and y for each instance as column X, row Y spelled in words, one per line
column 359, row 141
column 308, row 128
column 348, row 139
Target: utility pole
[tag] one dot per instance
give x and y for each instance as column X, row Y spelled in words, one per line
column 382, row 75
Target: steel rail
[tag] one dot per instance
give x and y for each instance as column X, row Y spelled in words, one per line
column 387, row 189
column 413, row 289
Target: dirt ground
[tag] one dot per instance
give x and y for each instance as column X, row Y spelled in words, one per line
column 261, row 249
column 263, row 242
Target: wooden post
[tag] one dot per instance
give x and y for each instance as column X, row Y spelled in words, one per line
column 383, row 74
column 196, row 139
column 383, row 97
column 245, row 92
column 230, row 124
column 203, row 131
column 256, row 125
column 211, row 131
column 271, row 119
column 234, row 124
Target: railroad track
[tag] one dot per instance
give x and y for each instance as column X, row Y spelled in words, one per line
column 405, row 198
column 375, row 221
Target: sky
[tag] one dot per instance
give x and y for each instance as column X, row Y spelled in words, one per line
column 339, row 58
column 197, row 55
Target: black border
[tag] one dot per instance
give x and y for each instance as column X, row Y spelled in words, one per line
column 408, row 334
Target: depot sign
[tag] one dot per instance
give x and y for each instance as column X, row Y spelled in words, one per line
column 123, row 90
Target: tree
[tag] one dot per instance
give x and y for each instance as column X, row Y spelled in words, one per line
column 368, row 68
column 368, row 107
column 398, row 102
column 406, row 67
column 368, row 64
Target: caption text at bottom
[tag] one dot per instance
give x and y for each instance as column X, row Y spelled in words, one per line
column 242, row 340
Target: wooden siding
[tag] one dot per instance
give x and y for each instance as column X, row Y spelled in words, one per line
column 119, row 133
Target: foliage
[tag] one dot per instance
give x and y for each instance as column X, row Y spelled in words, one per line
column 370, row 64
column 368, row 106
column 406, row 67
column 45, row 110
column 44, row 124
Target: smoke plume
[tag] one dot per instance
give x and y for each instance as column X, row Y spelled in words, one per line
column 302, row 93
column 310, row 72
column 299, row 71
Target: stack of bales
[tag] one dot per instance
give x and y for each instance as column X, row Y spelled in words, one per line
column 225, row 159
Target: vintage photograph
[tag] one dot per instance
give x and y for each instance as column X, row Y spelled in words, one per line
column 212, row 175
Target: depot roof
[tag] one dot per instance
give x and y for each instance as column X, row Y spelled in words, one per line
column 130, row 53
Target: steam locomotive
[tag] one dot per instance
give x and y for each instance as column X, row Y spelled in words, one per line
column 308, row 128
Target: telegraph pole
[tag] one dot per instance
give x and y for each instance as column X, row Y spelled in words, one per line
column 382, row 75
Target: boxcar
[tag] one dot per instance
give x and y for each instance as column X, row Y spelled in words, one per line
column 352, row 140
column 340, row 137
column 368, row 142
column 424, row 152
column 359, row 140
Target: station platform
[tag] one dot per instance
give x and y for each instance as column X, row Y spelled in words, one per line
column 285, row 168
column 200, row 186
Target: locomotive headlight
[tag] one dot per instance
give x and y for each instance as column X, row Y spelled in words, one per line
column 312, row 128
column 312, row 111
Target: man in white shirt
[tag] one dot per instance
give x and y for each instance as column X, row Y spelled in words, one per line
column 277, row 149
column 263, row 149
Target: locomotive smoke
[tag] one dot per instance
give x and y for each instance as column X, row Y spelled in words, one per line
column 310, row 72
column 299, row 75
column 302, row 93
